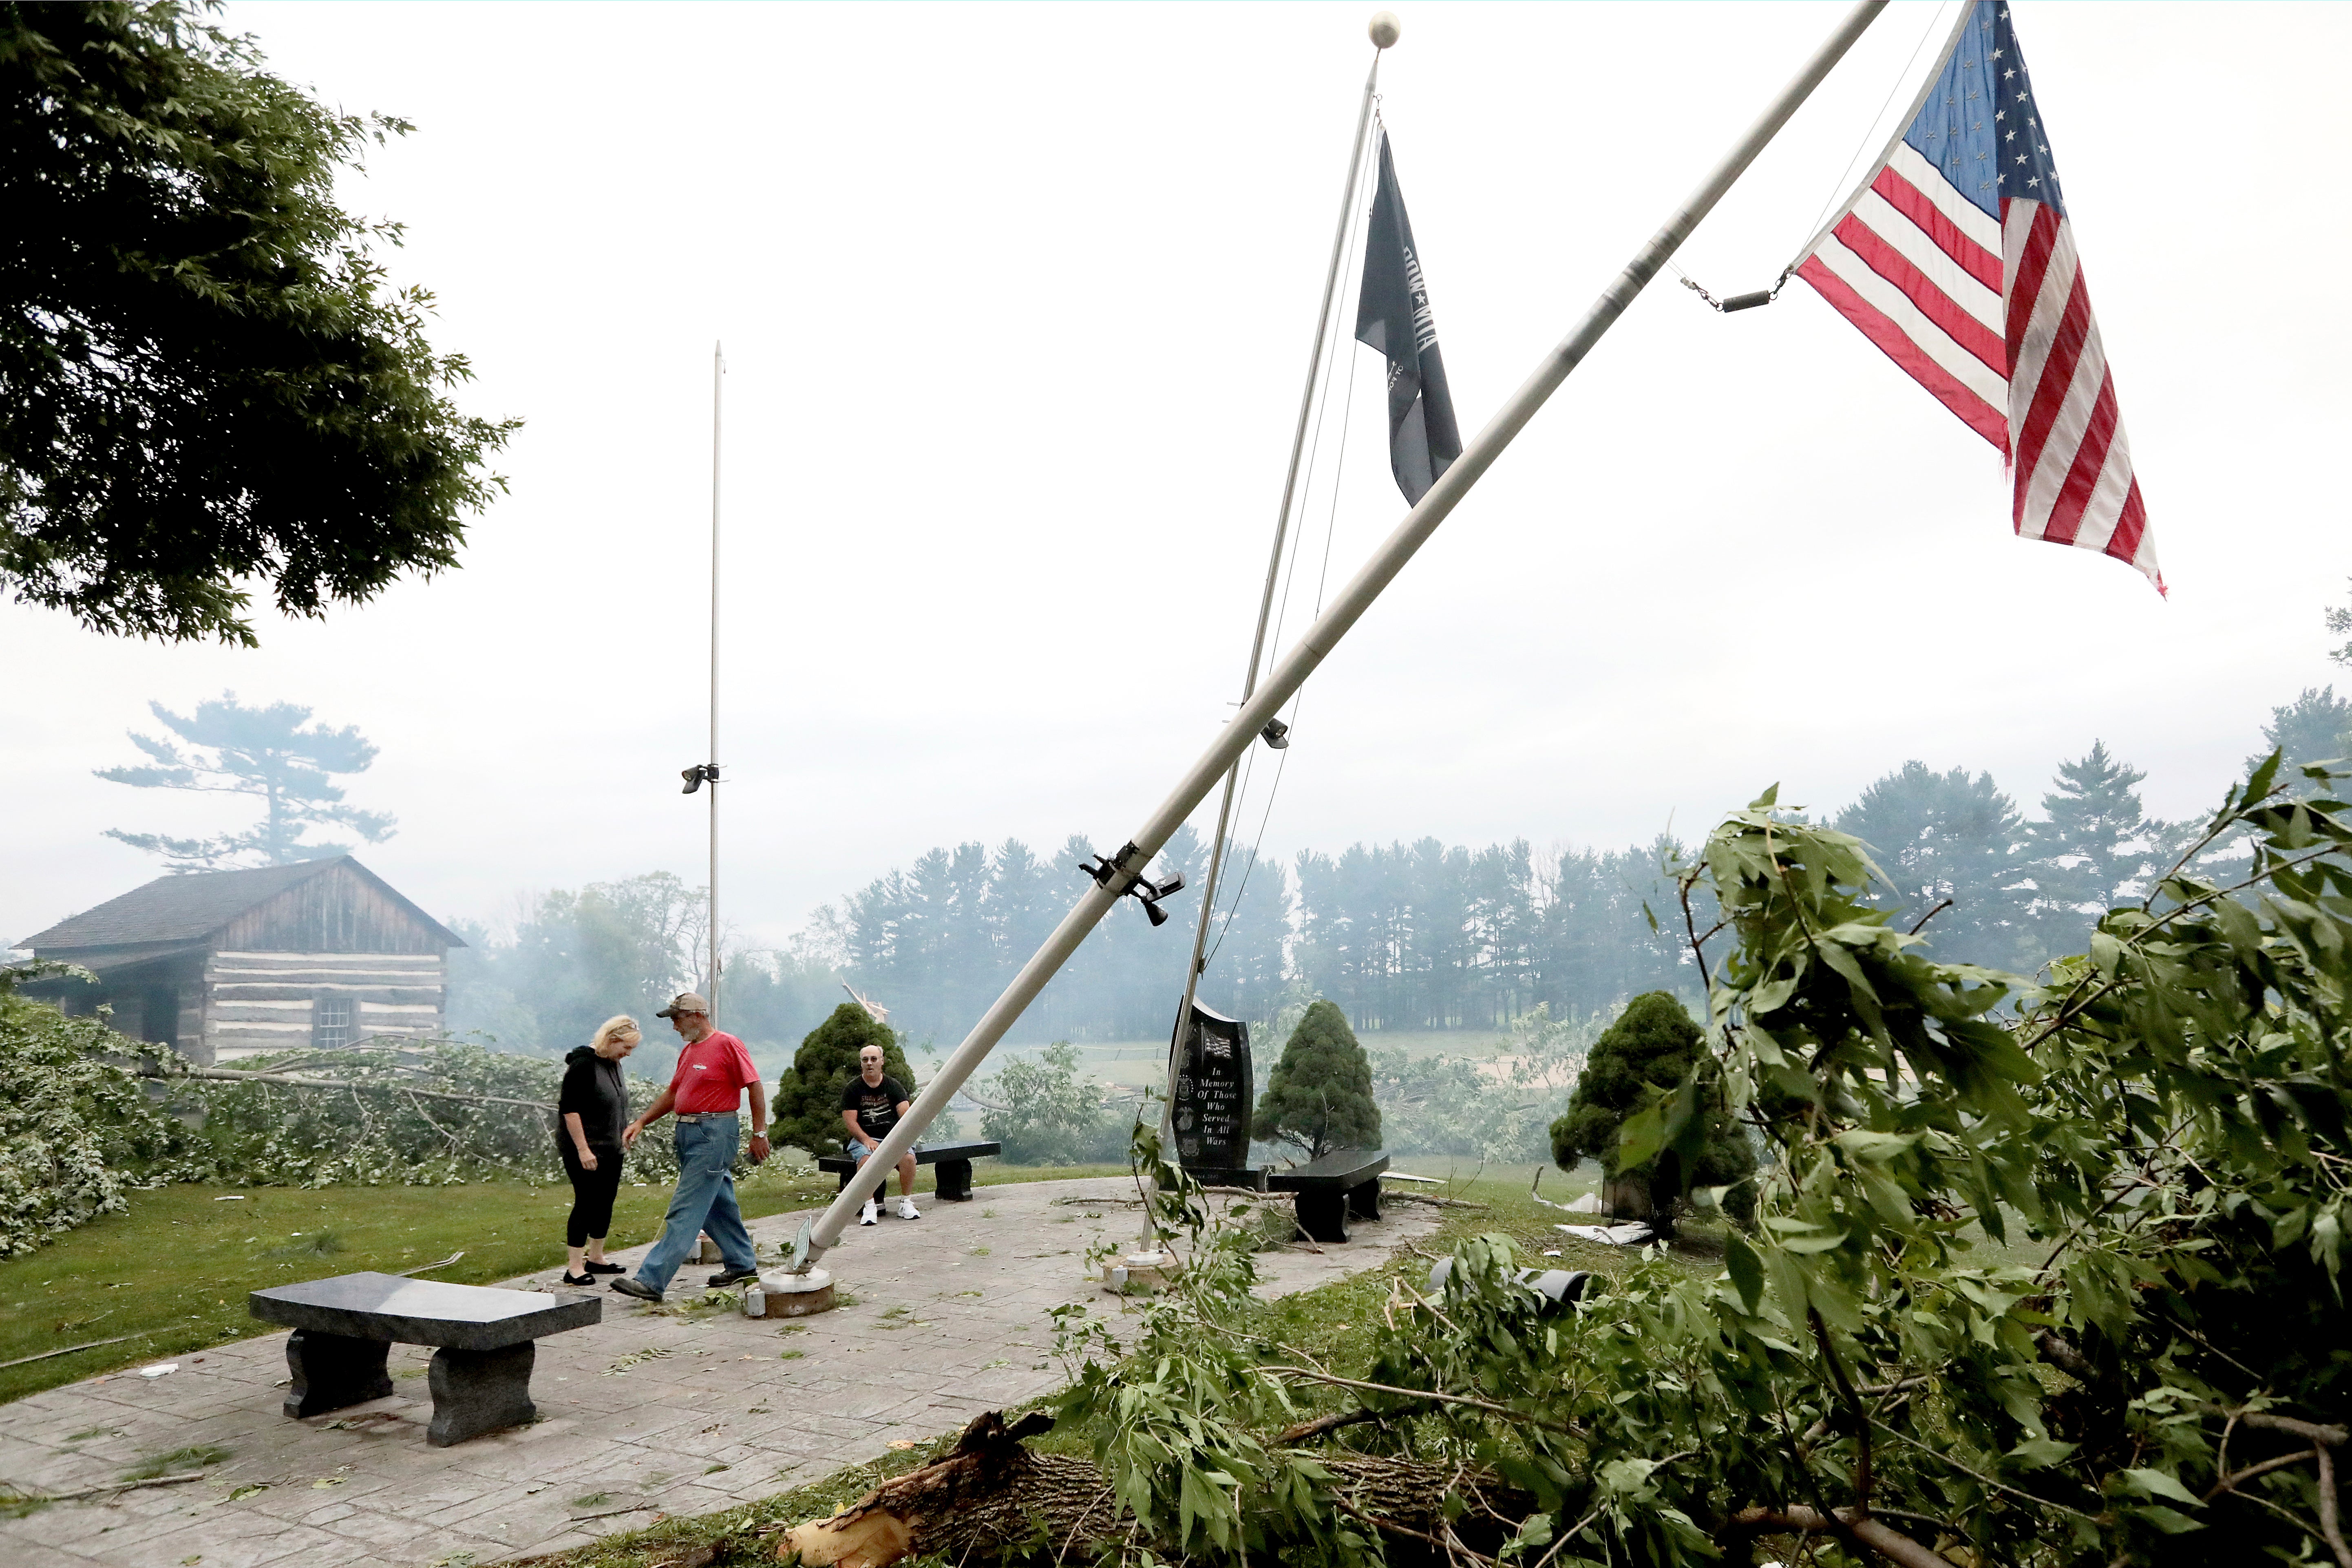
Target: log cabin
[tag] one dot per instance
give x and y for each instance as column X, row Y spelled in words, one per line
column 222, row 965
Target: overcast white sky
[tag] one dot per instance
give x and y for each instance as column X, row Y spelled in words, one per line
column 1016, row 300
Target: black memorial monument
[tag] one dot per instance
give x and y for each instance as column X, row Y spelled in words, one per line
column 1215, row 1091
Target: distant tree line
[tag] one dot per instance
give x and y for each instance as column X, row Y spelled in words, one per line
column 1424, row 936
column 1400, row 937
column 937, row 941
column 570, row 960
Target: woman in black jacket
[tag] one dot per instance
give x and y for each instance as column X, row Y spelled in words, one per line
column 590, row 1114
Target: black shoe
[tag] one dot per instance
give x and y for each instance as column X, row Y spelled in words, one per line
column 637, row 1288
column 726, row 1277
column 578, row 1279
column 606, row 1268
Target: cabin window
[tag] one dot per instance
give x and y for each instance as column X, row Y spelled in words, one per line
column 331, row 1022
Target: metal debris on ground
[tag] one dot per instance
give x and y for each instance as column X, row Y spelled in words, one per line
column 1633, row 1233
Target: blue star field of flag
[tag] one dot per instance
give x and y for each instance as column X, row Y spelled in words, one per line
column 1980, row 125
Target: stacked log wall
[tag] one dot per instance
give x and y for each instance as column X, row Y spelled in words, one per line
column 259, row 1002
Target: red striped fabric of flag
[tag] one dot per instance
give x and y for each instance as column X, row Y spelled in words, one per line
column 1956, row 258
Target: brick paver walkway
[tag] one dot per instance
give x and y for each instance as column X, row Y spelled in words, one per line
column 647, row 1413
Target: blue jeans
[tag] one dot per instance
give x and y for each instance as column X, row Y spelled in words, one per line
column 705, row 1201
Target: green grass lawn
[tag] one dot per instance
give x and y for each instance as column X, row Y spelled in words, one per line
column 174, row 1271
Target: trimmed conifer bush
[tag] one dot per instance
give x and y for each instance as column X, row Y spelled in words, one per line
column 807, row 1112
column 1319, row 1097
column 1654, row 1041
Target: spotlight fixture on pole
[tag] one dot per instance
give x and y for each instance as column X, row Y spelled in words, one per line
column 694, row 776
column 1275, row 734
column 1143, row 889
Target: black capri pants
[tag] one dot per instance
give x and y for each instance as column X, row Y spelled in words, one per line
column 592, row 1192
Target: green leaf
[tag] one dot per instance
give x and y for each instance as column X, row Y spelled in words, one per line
column 2258, row 784
column 1639, row 1139
column 1747, row 1270
column 2156, row 1483
column 1875, row 1148
column 2040, row 1453
column 2170, row 1520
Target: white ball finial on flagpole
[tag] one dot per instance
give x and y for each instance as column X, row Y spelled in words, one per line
column 1385, row 29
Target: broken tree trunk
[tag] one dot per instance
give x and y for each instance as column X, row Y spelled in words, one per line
column 990, row 1494
column 992, row 1497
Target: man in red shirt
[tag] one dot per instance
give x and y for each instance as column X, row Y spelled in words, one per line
column 706, row 1090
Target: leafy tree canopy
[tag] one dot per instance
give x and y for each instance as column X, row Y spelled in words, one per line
column 1319, row 1097
column 2055, row 1285
column 807, row 1112
column 1045, row 1113
column 205, row 380
column 274, row 752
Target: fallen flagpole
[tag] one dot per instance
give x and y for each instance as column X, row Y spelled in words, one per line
column 1120, row 872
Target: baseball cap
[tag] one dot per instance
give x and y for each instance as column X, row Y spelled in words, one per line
column 685, row 1002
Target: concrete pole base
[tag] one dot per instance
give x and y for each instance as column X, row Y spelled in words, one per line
column 1141, row 1273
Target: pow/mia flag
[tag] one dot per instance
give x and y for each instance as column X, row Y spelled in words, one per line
column 1393, row 317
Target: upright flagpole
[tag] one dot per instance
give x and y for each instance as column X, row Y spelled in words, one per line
column 717, row 374
column 1290, row 672
column 1384, row 33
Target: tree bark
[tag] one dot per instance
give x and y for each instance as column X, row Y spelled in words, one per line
column 1797, row 1519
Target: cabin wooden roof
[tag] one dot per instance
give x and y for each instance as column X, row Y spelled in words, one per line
column 191, row 907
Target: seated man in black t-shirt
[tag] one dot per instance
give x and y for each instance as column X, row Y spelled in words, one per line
column 871, row 1104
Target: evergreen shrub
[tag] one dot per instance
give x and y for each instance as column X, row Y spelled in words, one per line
column 1320, row 1096
column 1653, row 1042
column 807, row 1112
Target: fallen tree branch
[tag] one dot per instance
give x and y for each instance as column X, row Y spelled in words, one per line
column 1565, row 1429
column 1573, row 1530
column 429, row 1268
column 68, row 1350
column 2329, row 1524
column 614, row 1512
column 112, row 1487
column 2230, row 1482
column 287, row 1080
column 991, row 1493
column 1407, row 1531
column 2310, row 1432
column 1323, row 1427
column 2066, row 1358
column 1862, row 1530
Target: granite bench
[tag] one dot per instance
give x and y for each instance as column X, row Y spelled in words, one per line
column 480, row 1376
column 952, row 1164
column 1331, row 1188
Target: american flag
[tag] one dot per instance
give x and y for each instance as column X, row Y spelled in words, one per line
column 1956, row 258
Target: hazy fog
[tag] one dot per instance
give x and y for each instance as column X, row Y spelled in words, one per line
column 1016, row 300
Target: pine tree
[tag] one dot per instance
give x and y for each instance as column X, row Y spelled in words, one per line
column 2094, row 845
column 1320, row 1096
column 808, row 1097
column 2311, row 728
column 274, row 752
column 1653, row 1043
column 1945, row 836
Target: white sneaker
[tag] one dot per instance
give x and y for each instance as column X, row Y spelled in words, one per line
column 907, row 1209
column 870, row 1213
